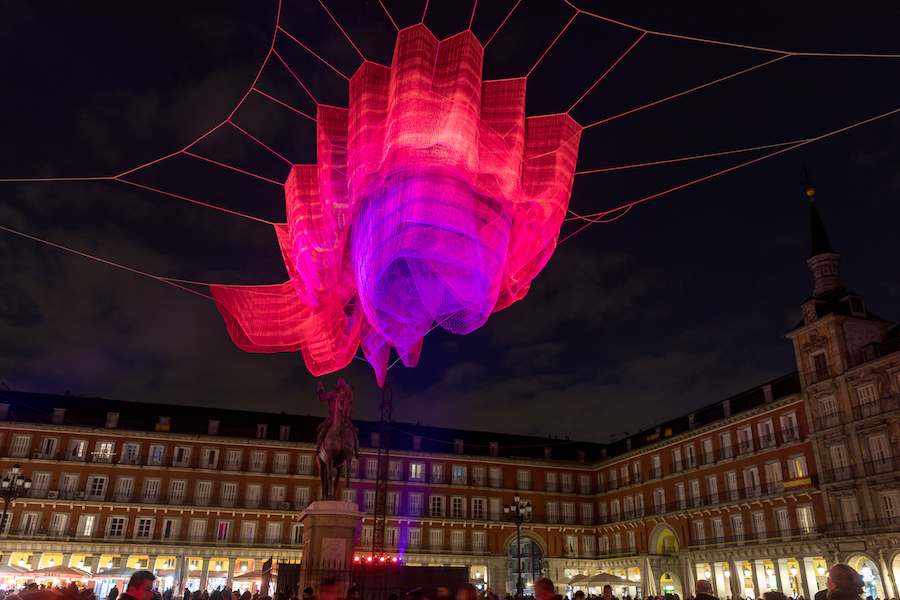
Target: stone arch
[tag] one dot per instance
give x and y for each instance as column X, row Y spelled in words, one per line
column 656, row 542
column 674, row 579
column 863, row 560
column 526, row 535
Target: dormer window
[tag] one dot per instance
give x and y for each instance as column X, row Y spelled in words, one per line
column 857, row 308
column 818, row 367
column 458, row 446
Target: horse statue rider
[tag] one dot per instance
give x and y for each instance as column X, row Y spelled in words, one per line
column 338, row 438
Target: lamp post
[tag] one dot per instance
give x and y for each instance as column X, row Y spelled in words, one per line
column 11, row 487
column 518, row 513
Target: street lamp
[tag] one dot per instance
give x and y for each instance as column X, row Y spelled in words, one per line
column 518, row 513
column 12, row 487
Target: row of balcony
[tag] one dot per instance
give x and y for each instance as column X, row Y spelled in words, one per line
column 874, row 408
column 862, row 527
column 35, row 534
column 743, row 447
column 888, row 464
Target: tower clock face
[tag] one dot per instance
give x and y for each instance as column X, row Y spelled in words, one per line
column 809, row 312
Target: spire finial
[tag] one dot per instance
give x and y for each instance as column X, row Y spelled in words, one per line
column 810, row 190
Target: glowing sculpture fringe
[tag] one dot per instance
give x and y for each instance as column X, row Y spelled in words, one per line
column 434, row 200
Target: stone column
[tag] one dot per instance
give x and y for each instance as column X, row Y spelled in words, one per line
column 229, row 577
column 6, row 559
column 760, row 584
column 36, row 560
column 887, row 583
column 204, row 576
column 807, row 577
column 741, row 578
column 782, row 576
column 178, row 586
column 66, row 559
column 257, row 566
column 496, row 575
column 720, row 584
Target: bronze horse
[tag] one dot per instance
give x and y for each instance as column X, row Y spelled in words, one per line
column 339, row 442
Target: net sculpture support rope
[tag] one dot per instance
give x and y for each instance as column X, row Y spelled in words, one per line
column 434, row 200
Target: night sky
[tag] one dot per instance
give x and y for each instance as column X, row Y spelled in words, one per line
column 679, row 303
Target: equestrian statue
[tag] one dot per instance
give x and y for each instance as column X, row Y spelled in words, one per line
column 338, row 439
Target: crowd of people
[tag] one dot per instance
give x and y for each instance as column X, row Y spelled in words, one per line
column 842, row 583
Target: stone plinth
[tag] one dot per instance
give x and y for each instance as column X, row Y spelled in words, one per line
column 329, row 540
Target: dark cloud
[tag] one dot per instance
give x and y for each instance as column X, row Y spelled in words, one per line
column 679, row 303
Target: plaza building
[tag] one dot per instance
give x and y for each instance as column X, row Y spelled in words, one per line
column 764, row 490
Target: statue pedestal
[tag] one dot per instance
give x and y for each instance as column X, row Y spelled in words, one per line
column 329, row 540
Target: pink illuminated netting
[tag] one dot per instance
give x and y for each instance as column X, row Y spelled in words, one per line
column 434, row 200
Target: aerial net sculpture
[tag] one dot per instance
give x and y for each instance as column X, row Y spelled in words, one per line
column 434, row 200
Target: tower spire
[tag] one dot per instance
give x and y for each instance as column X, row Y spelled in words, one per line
column 824, row 261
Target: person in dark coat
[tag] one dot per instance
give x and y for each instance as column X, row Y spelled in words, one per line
column 543, row 590
column 703, row 590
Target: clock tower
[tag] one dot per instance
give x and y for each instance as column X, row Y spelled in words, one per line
column 836, row 327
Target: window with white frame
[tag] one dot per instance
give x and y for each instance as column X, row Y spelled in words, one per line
column 21, row 446
column 395, row 470
column 143, row 528
column 699, row 531
column 745, row 440
column 415, row 538
column 96, row 487
column 818, row 367
column 566, row 485
column 182, row 457
column 790, row 429
column 437, row 473
column 436, row 539
column 436, row 502
column 369, row 501
column 416, row 504
column 523, row 479
column 458, row 539
column 416, row 471
column 49, row 446
column 690, row 457
column 766, row 430
column 587, row 513
column 459, row 475
column 478, row 476
column 209, row 458
column 797, row 467
column 170, row 529
column 759, row 524
column 393, row 503
column 725, row 444
column 550, row 480
column 281, row 463
column 177, row 491
column 806, row 522
column 157, row 455
column 301, row 497
column 233, row 460
column 479, row 543
column 228, row 493
column 553, row 512
column 457, row 507
column 116, row 527
column 371, row 468
column 258, row 461
column 584, row 483
column 124, row 489
column 304, row 464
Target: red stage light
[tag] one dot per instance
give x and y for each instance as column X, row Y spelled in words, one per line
column 369, row 559
column 434, row 200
